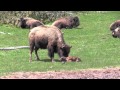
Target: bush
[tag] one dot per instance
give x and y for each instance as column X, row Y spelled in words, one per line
column 12, row 17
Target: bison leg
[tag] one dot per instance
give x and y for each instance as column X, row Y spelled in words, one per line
column 51, row 53
column 31, row 50
column 37, row 57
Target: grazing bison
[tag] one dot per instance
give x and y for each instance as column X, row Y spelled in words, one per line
column 70, row 59
column 114, row 25
column 67, row 22
column 48, row 37
column 116, row 33
column 29, row 23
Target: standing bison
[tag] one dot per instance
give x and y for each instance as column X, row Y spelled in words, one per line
column 48, row 37
column 29, row 23
column 67, row 22
column 115, row 28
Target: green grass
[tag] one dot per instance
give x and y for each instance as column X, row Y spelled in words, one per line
column 91, row 41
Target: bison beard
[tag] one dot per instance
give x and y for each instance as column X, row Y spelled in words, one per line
column 48, row 37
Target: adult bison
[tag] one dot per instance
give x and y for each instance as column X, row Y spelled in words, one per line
column 114, row 25
column 115, row 29
column 67, row 22
column 48, row 37
column 29, row 23
column 116, row 33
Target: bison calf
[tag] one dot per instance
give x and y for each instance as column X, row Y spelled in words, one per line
column 29, row 23
column 67, row 22
column 70, row 59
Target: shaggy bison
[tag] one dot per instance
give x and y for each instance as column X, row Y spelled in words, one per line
column 67, row 22
column 115, row 28
column 29, row 23
column 116, row 33
column 114, row 25
column 70, row 59
column 48, row 37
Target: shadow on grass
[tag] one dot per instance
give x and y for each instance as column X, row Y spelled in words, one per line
column 48, row 60
column 79, row 28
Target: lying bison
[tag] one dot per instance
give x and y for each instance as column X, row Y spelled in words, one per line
column 115, row 29
column 29, row 23
column 67, row 22
column 116, row 33
column 48, row 37
column 70, row 59
column 114, row 25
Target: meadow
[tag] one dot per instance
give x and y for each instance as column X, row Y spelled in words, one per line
column 91, row 41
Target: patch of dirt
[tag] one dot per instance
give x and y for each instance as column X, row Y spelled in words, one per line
column 107, row 73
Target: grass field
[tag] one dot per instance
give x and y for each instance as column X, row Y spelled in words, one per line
column 91, row 41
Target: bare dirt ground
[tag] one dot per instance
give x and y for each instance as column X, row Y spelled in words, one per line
column 107, row 73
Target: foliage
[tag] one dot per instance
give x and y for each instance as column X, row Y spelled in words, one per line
column 11, row 17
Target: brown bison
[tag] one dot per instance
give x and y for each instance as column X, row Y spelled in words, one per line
column 29, row 23
column 116, row 33
column 114, row 25
column 70, row 59
column 48, row 37
column 67, row 22
column 115, row 28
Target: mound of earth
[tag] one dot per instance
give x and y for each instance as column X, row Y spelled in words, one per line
column 107, row 73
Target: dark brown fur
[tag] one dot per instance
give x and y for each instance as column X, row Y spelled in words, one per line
column 67, row 22
column 48, row 37
column 115, row 29
column 116, row 33
column 29, row 23
column 114, row 25
column 70, row 59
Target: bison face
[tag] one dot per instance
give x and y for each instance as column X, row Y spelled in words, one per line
column 116, row 33
column 76, row 22
column 65, row 50
column 22, row 23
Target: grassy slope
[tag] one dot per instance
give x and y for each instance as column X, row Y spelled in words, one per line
column 92, row 42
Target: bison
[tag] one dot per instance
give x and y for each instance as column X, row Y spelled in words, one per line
column 114, row 25
column 48, row 37
column 67, row 22
column 115, row 29
column 29, row 23
column 116, row 33
column 70, row 59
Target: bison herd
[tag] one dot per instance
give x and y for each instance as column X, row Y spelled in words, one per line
column 51, row 37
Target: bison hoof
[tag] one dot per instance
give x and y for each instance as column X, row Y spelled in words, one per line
column 53, row 60
column 37, row 59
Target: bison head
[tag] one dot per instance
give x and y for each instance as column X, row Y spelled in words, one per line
column 65, row 50
column 76, row 22
column 116, row 33
column 22, row 23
